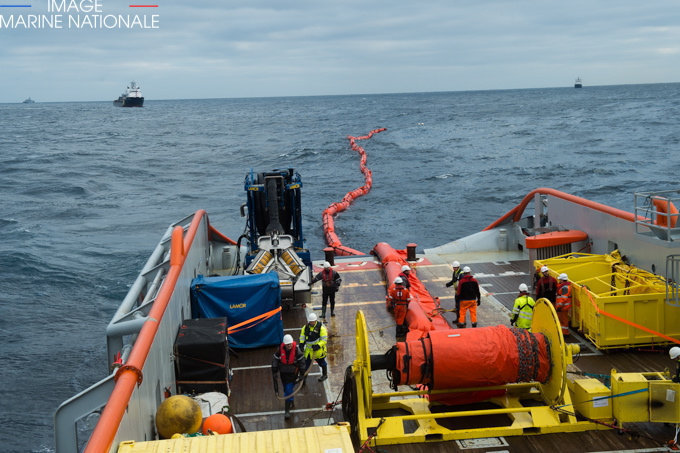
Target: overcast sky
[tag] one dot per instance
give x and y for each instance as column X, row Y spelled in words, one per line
column 222, row 49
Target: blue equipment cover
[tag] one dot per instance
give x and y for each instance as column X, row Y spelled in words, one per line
column 240, row 298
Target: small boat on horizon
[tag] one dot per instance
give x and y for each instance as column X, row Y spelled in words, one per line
column 578, row 83
column 28, row 100
column 131, row 97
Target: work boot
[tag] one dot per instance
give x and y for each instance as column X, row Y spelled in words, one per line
column 287, row 412
column 324, row 374
column 323, row 315
column 332, row 315
column 460, row 326
column 474, row 324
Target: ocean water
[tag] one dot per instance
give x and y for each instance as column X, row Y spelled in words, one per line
column 87, row 189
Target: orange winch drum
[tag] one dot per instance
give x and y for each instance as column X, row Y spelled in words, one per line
column 467, row 358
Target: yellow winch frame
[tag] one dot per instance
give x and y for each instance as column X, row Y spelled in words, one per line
column 407, row 417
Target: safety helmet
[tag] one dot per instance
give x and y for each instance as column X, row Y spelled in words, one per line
column 455, row 264
column 544, row 269
column 674, row 352
column 398, row 281
column 563, row 276
column 311, row 317
column 287, row 339
column 405, row 268
column 466, row 270
column 326, row 264
column 523, row 287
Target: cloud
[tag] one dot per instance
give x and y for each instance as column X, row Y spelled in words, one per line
column 272, row 48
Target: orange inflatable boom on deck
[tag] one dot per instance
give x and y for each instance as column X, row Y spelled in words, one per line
column 422, row 315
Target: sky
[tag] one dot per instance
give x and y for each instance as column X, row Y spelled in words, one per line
column 223, row 49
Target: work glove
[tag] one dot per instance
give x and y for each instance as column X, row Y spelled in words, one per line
column 315, row 347
column 479, row 302
column 448, row 284
column 276, row 384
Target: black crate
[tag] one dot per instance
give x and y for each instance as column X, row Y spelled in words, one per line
column 202, row 356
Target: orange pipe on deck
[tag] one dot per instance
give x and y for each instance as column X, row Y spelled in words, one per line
column 130, row 373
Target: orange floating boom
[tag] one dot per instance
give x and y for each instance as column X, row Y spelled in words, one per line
column 334, row 208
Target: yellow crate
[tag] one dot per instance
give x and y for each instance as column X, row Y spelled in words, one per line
column 614, row 304
column 664, row 402
column 630, row 397
column 591, row 399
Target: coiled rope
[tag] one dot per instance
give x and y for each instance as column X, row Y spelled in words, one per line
column 328, row 224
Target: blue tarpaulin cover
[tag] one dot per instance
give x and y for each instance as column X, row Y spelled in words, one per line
column 240, row 298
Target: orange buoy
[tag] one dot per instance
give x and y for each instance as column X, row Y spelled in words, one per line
column 217, row 424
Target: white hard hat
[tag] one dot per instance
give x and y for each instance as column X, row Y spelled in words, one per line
column 398, row 281
column 523, row 287
column 455, row 264
column 563, row 276
column 311, row 317
column 466, row 270
column 544, row 269
column 287, row 339
column 405, row 268
column 674, row 352
column 326, row 264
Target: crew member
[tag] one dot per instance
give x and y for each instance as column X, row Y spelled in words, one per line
column 563, row 302
column 288, row 363
column 546, row 286
column 675, row 355
column 405, row 272
column 523, row 310
column 313, row 337
column 457, row 274
column 330, row 284
column 398, row 298
column 468, row 298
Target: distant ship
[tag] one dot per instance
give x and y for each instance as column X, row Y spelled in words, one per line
column 28, row 100
column 578, row 83
column 132, row 97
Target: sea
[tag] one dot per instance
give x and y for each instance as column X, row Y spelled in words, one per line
column 87, row 189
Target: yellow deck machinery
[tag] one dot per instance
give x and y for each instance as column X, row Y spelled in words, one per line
column 556, row 405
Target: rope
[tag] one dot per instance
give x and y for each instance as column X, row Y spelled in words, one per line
column 328, row 224
column 621, row 429
column 365, row 446
column 300, row 382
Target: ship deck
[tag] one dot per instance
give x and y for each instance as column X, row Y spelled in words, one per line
column 363, row 288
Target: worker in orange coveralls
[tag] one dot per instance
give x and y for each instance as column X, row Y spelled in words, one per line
column 563, row 302
column 467, row 294
column 398, row 298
